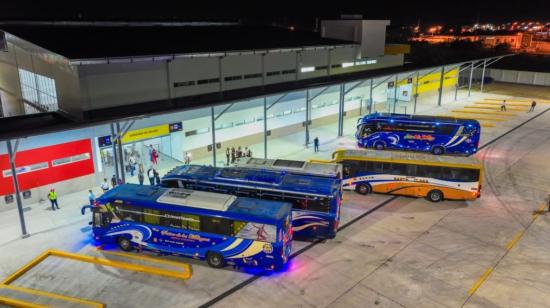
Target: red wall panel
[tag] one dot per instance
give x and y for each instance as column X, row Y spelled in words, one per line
column 51, row 174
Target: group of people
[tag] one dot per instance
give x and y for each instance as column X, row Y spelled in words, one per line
column 233, row 155
column 503, row 106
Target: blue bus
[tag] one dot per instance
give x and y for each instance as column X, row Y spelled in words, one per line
column 315, row 200
column 438, row 135
column 219, row 228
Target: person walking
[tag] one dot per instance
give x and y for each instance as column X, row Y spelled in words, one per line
column 141, row 176
column 105, row 186
column 157, row 177
column 316, row 144
column 91, row 197
column 53, row 199
column 113, row 181
column 232, row 155
column 503, row 106
column 151, row 176
column 154, row 157
column 227, row 156
column 533, row 105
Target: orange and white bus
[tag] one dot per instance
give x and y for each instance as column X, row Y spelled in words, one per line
column 411, row 174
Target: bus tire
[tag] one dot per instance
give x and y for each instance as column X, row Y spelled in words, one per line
column 379, row 145
column 435, row 195
column 124, row 244
column 438, row 150
column 362, row 189
column 215, row 260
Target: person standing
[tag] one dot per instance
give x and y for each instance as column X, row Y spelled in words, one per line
column 91, row 197
column 151, row 176
column 53, row 199
column 132, row 163
column 113, row 181
column 157, row 177
column 141, row 176
column 154, row 157
column 249, row 153
column 533, row 105
column 503, row 106
column 187, row 158
column 316, row 144
column 105, row 186
column 227, row 156
column 232, row 155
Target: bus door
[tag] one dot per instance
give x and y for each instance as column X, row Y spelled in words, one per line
column 100, row 217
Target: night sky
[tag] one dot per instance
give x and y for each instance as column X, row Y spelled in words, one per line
column 283, row 11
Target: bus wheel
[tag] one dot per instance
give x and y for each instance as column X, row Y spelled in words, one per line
column 215, row 260
column 362, row 189
column 438, row 150
column 435, row 195
column 379, row 145
column 124, row 244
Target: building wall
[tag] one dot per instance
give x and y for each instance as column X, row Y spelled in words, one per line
column 523, row 77
column 115, row 84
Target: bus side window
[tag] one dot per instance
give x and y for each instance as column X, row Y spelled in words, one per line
column 130, row 213
column 378, row 167
column 170, row 183
column 421, row 171
column 433, row 172
column 398, row 169
column 446, row 129
column 216, row 225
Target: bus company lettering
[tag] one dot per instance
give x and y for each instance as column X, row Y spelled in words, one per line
column 410, row 179
column 419, row 137
column 195, row 237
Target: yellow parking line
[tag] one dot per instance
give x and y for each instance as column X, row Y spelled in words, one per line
column 507, row 104
column 145, row 258
column 54, row 295
column 494, row 119
column 480, row 281
column 26, row 267
column 500, row 113
column 496, row 108
column 487, row 125
column 519, row 100
column 509, row 247
column 122, row 265
column 18, row 303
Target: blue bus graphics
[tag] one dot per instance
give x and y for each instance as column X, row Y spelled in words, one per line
column 221, row 229
column 438, row 135
column 315, row 200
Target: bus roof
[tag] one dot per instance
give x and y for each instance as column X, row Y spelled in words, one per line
column 197, row 202
column 425, row 118
column 295, row 166
column 410, row 157
column 271, row 179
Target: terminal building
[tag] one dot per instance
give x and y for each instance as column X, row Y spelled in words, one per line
column 78, row 101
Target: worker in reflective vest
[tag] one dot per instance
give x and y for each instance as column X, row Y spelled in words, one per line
column 53, row 199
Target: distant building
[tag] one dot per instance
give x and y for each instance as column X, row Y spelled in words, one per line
column 518, row 42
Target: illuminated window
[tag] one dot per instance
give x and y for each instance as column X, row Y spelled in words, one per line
column 347, row 64
column 307, row 69
column 38, row 89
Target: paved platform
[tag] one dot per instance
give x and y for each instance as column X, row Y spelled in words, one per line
column 392, row 252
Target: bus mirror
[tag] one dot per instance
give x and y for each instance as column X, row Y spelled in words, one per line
column 89, row 223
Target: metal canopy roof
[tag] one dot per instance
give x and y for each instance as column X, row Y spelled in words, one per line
column 111, row 42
